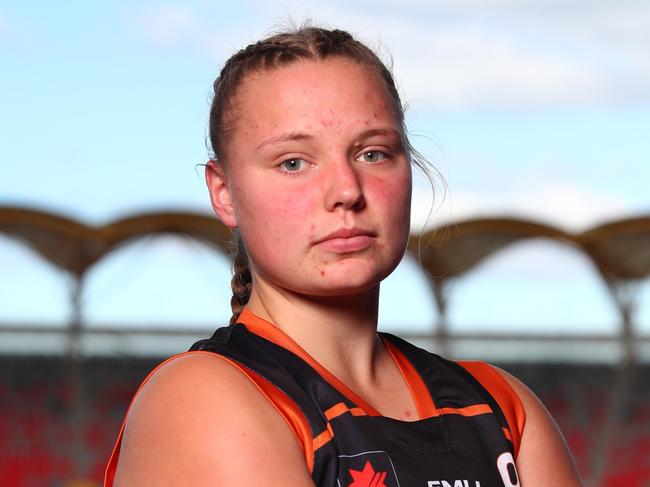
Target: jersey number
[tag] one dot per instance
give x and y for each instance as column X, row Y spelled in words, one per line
column 508, row 470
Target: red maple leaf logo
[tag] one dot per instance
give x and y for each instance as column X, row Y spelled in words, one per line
column 367, row 477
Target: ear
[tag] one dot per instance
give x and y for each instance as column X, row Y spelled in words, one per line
column 220, row 195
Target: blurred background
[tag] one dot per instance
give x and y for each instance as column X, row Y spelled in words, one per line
column 535, row 239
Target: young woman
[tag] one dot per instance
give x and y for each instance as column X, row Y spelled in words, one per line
column 312, row 167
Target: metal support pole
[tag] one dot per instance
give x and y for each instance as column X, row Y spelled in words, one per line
column 441, row 332
column 624, row 296
column 75, row 371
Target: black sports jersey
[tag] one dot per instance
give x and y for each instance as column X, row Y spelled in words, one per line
column 463, row 445
column 464, row 437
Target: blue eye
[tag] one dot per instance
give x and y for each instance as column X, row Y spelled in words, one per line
column 372, row 156
column 293, row 165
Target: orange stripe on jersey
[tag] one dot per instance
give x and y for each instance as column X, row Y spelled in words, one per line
column 322, row 439
column 272, row 333
column 506, row 433
column 334, row 412
column 505, row 397
column 340, row 408
column 419, row 391
column 288, row 409
column 280, row 401
column 473, row 410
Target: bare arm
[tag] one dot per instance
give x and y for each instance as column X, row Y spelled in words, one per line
column 200, row 421
column 544, row 458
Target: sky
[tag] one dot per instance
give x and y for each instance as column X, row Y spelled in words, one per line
column 536, row 109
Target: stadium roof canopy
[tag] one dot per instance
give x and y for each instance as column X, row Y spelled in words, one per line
column 620, row 250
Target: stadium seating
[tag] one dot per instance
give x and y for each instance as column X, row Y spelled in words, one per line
column 55, row 435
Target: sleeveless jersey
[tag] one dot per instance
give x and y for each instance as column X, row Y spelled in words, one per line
column 467, row 435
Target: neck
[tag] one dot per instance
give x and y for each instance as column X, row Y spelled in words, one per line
column 337, row 331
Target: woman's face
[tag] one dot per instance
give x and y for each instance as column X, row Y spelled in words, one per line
column 317, row 179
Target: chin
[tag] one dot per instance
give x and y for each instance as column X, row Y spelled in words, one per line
column 346, row 278
column 348, row 283
column 348, row 290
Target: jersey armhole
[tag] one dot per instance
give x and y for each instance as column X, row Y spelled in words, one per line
column 288, row 409
column 504, row 395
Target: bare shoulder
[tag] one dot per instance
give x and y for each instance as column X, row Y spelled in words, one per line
column 200, row 420
column 544, row 458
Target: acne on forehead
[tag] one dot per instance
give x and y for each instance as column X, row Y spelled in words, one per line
column 247, row 103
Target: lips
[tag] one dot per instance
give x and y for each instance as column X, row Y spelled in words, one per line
column 347, row 240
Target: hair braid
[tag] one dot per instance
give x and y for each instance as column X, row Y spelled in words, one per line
column 242, row 280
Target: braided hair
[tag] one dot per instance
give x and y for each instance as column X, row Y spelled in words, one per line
column 307, row 43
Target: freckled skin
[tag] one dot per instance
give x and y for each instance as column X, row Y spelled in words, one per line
column 280, row 214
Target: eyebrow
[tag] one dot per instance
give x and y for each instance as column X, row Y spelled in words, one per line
column 379, row 131
column 293, row 136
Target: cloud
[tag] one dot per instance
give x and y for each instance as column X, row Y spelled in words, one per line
column 7, row 30
column 211, row 32
column 467, row 54
column 562, row 204
column 4, row 27
column 14, row 35
column 169, row 25
column 480, row 65
column 468, row 67
column 456, row 55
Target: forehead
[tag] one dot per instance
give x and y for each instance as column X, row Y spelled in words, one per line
column 320, row 92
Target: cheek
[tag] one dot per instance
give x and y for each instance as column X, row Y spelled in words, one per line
column 393, row 194
column 393, row 205
column 288, row 209
column 274, row 218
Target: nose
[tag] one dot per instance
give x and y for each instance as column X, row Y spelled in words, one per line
column 345, row 189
